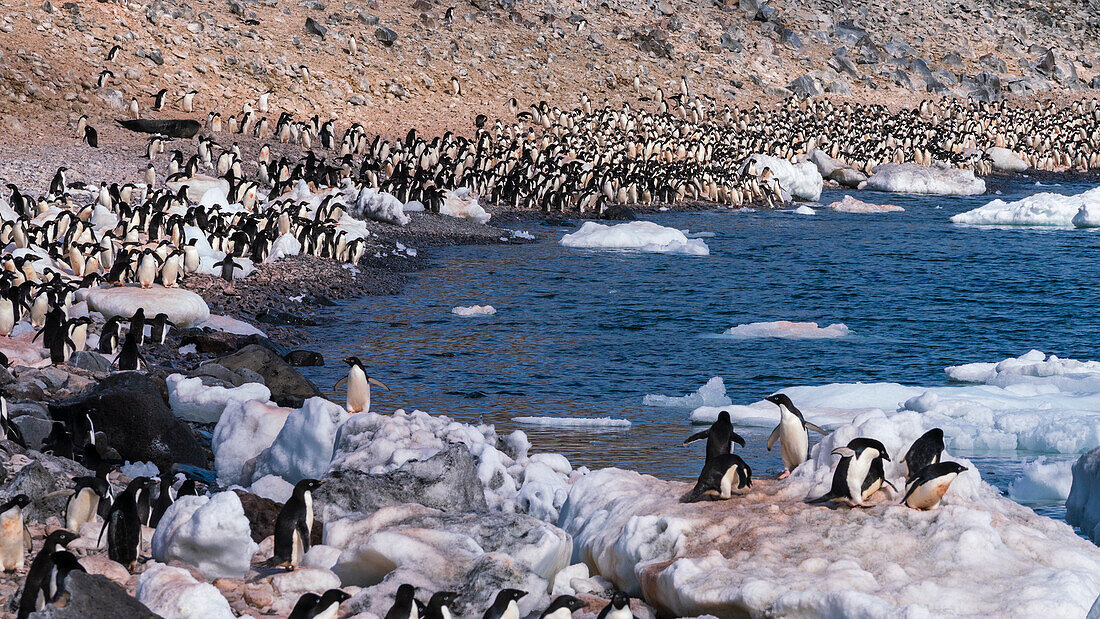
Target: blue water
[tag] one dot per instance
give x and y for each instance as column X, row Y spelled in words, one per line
column 586, row 334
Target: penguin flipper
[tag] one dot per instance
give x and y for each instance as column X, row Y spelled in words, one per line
column 773, row 437
column 825, row 498
column 815, row 428
column 698, row 436
column 344, row 381
column 737, row 438
column 694, row 495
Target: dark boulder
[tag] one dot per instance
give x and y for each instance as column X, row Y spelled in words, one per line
column 173, row 128
column 288, row 387
column 93, row 596
column 304, row 358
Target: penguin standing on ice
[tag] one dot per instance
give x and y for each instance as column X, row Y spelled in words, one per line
column 721, row 475
column 358, row 384
column 791, row 433
column 562, row 607
column 928, row 486
column 14, row 538
column 294, row 526
column 405, row 605
column 36, row 589
column 504, row 606
column 924, row 452
column 720, row 437
column 859, row 474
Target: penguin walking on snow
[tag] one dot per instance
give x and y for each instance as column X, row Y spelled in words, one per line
column 313, row 606
column 504, row 606
column 719, row 436
column 358, row 383
column 562, row 607
column 123, row 524
column 228, row 265
column 37, row 589
column 14, row 537
column 405, row 605
column 619, row 608
column 720, row 476
column 859, row 474
column 294, row 526
column 791, row 433
column 928, row 486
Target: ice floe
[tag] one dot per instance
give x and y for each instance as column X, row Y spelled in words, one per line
column 848, row 204
column 1042, row 209
column 635, row 235
column 787, row 330
column 474, row 310
column 713, row 393
column 573, row 422
column 913, row 178
column 1043, row 481
column 804, row 210
column 1083, row 504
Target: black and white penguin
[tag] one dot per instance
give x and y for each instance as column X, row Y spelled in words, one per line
column 159, row 330
column 859, row 474
column 14, row 538
column 562, row 607
column 719, row 435
column 91, row 136
column 108, row 336
column 313, row 606
column 925, row 451
column 619, row 608
column 83, row 503
column 791, row 433
column 504, row 606
column 36, row 589
column 358, row 383
column 10, row 429
column 164, row 500
column 129, row 357
column 930, row 484
column 405, row 605
column 137, row 326
column 228, row 266
column 294, row 526
column 62, row 563
column 439, row 606
column 158, row 99
column 123, row 523
column 721, row 475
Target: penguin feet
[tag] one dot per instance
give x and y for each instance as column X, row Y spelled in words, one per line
column 785, row 475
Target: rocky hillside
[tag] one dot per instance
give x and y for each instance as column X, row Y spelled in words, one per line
column 396, row 63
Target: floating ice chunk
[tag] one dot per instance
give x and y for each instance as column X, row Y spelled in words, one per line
column 272, row 487
column 474, row 310
column 184, row 308
column 1043, row 481
column 1041, row 209
column 522, row 234
column 172, row 593
column 211, row 533
column 139, row 469
column 193, row 401
column 303, row 448
column 711, row 394
column 802, row 180
column 1083, row 504
column 804, row 210
column 637, row 235
column 848, row 204
column 913, row 178
column 244, row 431
column 573, row 422
column 228, row 324
column 462, row 203
column 787, row 330
column 379, row 206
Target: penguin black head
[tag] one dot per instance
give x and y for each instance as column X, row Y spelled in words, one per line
column 509, row 595
column 943, row 468
column 405, row 592
column 332, row 596
column 861, row 444
column 564, row 601
column 353, row 361
column 440, row 599
column 19, row 500
column 307, row 485
column 781, row 399
column 620, row 599
column 60, row 538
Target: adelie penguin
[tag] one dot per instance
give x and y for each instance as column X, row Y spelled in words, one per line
column 91, row 136
column 720, row 437
column 159, row 330
column 925, row 451
column 859, row 474
column 228, row 266
column 794, row 440
column 358, row 383
column 313, row 606
column 619, row 608
column 404, row 605
column 504, row 606
column 129, row 357
column 83, row 503
column 15, row 540
column 439, row 605
column 721, row 475
column 39, row 588
column 10, row 430
column 294, row 526
column 123, row 523
column 928, row 486
column 562, row 607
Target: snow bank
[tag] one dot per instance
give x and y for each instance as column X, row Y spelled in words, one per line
column 573, row 422
column 801, row 180
column 787, row 330
column 913, row 178
column 637, row 235
column 1041, row 209
column 244, row 431
column 208, row 532
column 848, row 204
column 474, row 310
column 272, row 487
column 304, row 445
column 1043, row 481
column 139, row 469
column 462, row 203
column 228, row 324
column 1083, row 504
column 768, row 553
column 711, row 394
column 379, row 206
column 285, row 245
column 193, row 401
column 184, row 308
column 172, row 593
column 1005, row 160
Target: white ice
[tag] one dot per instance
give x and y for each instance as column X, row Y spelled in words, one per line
column 285, row 245
column 210, row 533
column 474, row 310
column 303, row 447
column 272, row 487
column 1041, row 209
column 1083, row 504
column 183, row 307
column 139, row 469
column 635, row 235
column 804, row 210
column 848, row 204
column 1043, row 481
column 787, row 330
column 802, row 180
column 713, row 393
column 193, row 401
column 463, row 203
column 243, row 432
column 172, row 593
column 379, row 206
column 1005, row 160
column 228, row 324
column 913, row 178
column 573, row 422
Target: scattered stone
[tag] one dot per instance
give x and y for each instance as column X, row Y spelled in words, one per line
column 313, row 27
column 93, row 596
column 288, row 387
column 304, row 358
column 385, row 36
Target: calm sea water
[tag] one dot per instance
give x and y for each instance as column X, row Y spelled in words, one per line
column 588, row 334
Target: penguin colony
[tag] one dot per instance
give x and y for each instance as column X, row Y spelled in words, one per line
column 857, row 477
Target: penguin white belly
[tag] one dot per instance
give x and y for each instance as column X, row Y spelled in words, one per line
column 561, row 613
column 358, row 391
column 511, row 612
column 413, row 614
column 620, row 613
column 7, row 317
column 11, row 540
column 726, row 487
column 793, row 442
column 169, row 273
column 446, row 613
column 328, row 613
column 147, row 271
column 928, row 495
column 82, row 508
column 191, row 259
column 857, row 472
column 296, row 550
